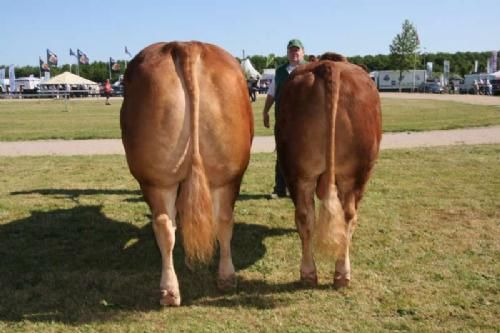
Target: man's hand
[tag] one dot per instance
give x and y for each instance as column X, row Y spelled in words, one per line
column 265, row 116
column 267, row 106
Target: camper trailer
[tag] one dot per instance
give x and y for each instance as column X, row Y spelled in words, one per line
column 467, row 87
column 389, row 80
column 27, row 85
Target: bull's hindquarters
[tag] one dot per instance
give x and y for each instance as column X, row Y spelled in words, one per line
column 188, row 173
column 328, row 137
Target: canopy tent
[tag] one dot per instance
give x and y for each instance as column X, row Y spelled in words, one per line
column 69, row 82
column 69, row 78
column 249, row 71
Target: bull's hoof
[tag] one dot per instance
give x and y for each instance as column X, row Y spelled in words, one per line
column 227, row 284
column 340, row 281
column 170, row 298
column 309, row 279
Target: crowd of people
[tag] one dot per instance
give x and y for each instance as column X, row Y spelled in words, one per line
column 483, row 87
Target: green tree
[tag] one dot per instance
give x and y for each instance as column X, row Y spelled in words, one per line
column 404, row 49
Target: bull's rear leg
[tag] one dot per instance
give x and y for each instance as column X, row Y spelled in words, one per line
column 304, row 219
column 223, row 203
column 342, row 275
column 162, row 204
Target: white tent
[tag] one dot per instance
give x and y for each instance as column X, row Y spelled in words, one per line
column 69, row 78
column 69, row 82
column 249, row 71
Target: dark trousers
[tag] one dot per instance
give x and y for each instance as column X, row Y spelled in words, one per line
column 279, row 180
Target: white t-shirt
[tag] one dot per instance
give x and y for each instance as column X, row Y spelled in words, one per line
column 272, row 86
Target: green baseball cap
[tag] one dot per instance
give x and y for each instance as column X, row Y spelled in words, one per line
column 295, row 43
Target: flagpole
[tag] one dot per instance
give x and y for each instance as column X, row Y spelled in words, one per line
column 109, row 68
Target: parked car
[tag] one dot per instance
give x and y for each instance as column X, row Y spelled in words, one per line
column 431, row 87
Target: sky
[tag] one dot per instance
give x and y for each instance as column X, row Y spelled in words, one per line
column 102, row 29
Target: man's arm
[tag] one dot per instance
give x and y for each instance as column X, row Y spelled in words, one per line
column 267, row 105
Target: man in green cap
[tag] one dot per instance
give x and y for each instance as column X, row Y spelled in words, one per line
column 295, row 54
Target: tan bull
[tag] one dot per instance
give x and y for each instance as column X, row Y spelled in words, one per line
column 187, row 128
column 328, row 137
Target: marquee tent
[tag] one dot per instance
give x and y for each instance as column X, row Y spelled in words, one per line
column 67, row 80
column 249, row 71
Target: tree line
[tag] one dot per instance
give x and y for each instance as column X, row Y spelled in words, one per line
column 461, row 63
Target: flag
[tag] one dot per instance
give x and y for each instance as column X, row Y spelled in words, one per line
column 51, row 58
column 446, row 71
column 12, row 78
column 82, row 57
column 446, row 66
column 115, row 67
column 2, row 79
column 44, row 67
column 493, row 66
column 429, row 70
column 127, row 52
column 71, row 53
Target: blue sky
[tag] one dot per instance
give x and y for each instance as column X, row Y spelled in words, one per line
column 357, row 27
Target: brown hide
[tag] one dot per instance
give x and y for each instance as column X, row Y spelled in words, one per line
column 303, row 125
column 186, row 121
column 328, row 134
column 156, row 120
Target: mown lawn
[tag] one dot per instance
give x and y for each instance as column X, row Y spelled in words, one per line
column 91, row 119
column 77, row 253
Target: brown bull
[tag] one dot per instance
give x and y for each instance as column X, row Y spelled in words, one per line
column 187, row 128
column 328, row 137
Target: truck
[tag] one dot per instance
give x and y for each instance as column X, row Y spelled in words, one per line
column 389, row 80
column 27, row 85
column 467, row 86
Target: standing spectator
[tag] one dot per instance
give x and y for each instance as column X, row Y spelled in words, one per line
column 107, row 91
column 295, row 55
column 476, row 87
column 489, row 88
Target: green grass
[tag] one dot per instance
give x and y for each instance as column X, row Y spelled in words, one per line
column 77, row 253
column 91, row 119
column 422, row 115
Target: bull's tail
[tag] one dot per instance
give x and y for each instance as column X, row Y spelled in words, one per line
column 329, row 231
column 194, row 202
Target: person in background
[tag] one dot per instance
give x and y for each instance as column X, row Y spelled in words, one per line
column 476, row 87
column 295, row 55
column 489, row 88
column 107, row 91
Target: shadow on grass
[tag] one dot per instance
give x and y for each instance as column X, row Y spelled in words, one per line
column 244, row 197
column 77, row 266
column 74, row 194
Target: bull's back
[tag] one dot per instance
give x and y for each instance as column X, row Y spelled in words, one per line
column 156, row 118
column 304, row 127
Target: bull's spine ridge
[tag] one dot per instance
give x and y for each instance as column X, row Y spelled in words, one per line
column 194, row 202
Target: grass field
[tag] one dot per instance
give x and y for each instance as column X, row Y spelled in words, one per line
column 77, row 253
column 91, row 119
